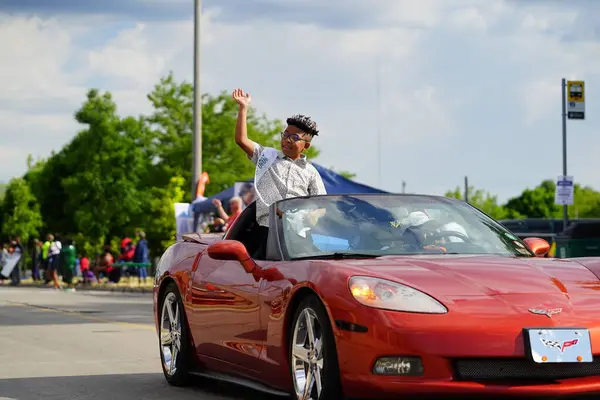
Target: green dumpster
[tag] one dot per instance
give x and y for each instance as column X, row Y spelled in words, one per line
column 580, row 239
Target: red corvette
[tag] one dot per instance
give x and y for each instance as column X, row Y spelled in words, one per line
column 378, row 296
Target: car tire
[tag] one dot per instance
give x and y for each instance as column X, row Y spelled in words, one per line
column 325, row 360
column 177, row 374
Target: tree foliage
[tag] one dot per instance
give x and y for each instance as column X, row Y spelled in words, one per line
column 480, row 199
column 345, row 174
column 534, row 203
column 20, row 211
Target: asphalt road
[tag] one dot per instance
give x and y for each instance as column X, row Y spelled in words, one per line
column 88, row 345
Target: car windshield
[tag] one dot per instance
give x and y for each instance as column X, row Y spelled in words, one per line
column 380, row 225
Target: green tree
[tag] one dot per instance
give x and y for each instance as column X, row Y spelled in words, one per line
column 539, row 203
column 345, row 174
column 480, row 199
column 20, row 211
column 586, row 203
column 91, row 186
column 172, row 124
column 46, row 184
column 2, row 190
column 534, row 203
column 106, row 164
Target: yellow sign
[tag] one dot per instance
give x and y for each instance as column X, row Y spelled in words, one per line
column 576, row 100
column 576, row 91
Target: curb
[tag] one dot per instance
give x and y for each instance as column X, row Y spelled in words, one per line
column 112, row 289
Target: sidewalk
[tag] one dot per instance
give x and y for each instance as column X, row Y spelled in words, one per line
column 130, row 285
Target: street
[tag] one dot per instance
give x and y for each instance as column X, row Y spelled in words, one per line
column 87, row 345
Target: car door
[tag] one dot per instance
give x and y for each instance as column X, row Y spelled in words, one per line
column 225, row 314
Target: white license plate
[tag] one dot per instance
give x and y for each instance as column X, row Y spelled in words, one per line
column 559, row 345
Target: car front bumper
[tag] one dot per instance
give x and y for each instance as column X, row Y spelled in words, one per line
column 460, row 355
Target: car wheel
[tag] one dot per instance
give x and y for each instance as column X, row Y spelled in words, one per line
column 312, row 353
column 174, row 338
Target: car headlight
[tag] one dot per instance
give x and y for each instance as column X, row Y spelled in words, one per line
column 388, row 295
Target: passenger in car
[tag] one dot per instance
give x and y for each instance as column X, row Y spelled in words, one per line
column 280, row 174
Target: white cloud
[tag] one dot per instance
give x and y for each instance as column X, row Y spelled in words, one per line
column 39, row 94
column 127, row 58
column 465, row 85
column 34, row 55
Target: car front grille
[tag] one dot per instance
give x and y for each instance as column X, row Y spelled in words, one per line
column 503, row 369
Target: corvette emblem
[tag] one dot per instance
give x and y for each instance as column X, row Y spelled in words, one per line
column 559, row 346
column 549, row 313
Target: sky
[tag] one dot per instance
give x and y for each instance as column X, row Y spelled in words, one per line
column 426, row 92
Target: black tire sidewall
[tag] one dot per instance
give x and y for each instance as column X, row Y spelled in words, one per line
column 183, row 362
column 331, row 372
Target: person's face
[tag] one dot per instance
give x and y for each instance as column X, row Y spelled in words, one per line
column 234, row 206
column 248, row 197
column 294, row 142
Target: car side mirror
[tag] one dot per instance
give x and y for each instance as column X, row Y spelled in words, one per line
column 538, row 245
column 232, row 250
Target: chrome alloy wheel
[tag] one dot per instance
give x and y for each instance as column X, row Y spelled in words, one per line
column 170, row 333
column 307, row 356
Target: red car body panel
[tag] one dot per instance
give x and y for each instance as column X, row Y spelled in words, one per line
column 239, row 321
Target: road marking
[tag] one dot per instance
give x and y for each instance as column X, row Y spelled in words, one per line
column 79, row 315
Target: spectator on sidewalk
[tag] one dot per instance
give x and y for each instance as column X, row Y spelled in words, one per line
column 17, row 250
column 141, row 256
column 3, row 260
column 104, row 265
column 67, row 261
column 36, row 259
column 84, row 265
column 235, row 209
column 126, row 256
column 54, row 260
column 45, row 255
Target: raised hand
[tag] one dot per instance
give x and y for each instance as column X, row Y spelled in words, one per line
column 243, row 99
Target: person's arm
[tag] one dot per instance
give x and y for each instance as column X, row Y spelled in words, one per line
column 316, row 185
column 241, row 130
column 217, row 203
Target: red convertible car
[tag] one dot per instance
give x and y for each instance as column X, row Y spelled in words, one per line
column 378, row 296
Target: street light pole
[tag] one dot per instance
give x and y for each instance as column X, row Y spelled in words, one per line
column 197, row 135
column 564, row 146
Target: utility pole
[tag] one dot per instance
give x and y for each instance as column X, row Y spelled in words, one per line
column 564, row 146
column 197, row 135
column 378, row 95
column 466, row 189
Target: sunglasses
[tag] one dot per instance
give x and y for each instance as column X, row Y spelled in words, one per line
column 294, row 137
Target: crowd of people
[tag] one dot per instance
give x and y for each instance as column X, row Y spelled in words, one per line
column 58, row 258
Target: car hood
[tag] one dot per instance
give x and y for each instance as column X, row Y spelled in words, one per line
column 452, row 275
